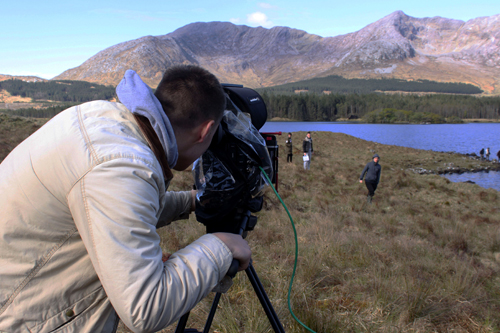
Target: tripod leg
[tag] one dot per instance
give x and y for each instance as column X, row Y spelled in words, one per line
column 210, row 318
column 264, row 300
column 181, row 325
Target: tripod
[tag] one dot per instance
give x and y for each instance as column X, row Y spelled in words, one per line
column 247, row 223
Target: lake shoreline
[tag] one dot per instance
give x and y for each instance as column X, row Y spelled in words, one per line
column 485, row 166
column 360, row 121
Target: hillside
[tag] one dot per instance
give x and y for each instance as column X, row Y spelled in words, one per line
column 396, row 46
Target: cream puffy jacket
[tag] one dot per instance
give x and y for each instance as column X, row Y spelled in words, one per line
column 80, row 201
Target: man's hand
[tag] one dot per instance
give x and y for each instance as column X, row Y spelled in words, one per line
column 238, row 247
column 361, row 180
column 193, row 200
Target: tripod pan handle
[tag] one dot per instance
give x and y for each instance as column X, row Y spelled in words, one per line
column 233, row 269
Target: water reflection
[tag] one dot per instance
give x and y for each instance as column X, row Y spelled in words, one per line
column 483, row 179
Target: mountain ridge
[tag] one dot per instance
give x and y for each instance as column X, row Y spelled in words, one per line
column 396, row 46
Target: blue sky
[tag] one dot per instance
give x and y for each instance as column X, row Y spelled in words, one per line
column 44, row 38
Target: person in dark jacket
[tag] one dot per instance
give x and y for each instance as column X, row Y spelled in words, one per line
column 289, row 148
column 481, row 153
column 307, row 147
column 372, row 171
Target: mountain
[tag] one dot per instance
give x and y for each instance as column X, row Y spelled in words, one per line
column 4, row 77
column 396, row 46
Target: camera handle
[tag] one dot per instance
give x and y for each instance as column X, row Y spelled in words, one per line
column 256, row 284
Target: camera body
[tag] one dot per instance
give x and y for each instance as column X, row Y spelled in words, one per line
column 229, row 175
column 249, row 101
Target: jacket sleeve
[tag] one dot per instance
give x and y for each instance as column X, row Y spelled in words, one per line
column 115, row 207
column 379, row 172
column 364, row 171
column 304, row 146
column 178, row 207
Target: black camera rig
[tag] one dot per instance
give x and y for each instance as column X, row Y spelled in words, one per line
column 229, row 175
column 229, row 180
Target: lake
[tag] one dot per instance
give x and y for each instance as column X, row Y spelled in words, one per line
column 460, row 138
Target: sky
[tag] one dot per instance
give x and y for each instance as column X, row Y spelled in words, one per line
column 45, row 38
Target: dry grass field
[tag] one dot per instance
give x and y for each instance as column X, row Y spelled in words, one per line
column 423, row 257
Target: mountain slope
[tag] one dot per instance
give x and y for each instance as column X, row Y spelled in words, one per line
column 396, row 46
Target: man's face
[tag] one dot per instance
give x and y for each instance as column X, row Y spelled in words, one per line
column 375, row 160
column 189, row 154
column 308, row 135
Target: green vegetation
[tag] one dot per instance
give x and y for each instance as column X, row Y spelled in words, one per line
column 59, row 90
column 47, row 112
column 13, row 130
column 323, row 107
column 391, row 116
column 338, row 84
column 424, row 257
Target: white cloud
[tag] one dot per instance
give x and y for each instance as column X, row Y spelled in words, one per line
column 259, row 18
column 234, row 20
column 266, row 5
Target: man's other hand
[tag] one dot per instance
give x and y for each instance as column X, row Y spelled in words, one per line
column 238, row 247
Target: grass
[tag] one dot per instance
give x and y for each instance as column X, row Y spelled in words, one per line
column 424, row 257
column 13, row 130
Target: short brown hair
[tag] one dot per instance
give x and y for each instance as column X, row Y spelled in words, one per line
column 190, row 95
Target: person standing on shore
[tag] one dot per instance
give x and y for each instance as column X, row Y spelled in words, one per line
column 498, row 155
column 488, row 153
column 289, row 148
column 307, row 147
column 372, row 171
column 481, row 153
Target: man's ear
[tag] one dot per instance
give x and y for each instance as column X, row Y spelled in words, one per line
column 205, row 129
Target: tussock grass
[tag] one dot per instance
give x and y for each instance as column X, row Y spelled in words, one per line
column 13, row 130
column 424, row 257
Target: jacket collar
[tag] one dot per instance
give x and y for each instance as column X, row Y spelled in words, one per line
column 155, row 145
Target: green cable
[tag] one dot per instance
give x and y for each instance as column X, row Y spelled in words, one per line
column 296, row 252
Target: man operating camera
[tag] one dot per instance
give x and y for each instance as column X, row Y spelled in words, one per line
column 80, row 202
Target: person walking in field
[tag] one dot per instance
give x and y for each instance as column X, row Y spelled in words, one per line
column 372, row 171
column 289, row 148
column 307, row 147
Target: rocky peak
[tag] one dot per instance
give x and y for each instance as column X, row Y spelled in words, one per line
column 397, row 45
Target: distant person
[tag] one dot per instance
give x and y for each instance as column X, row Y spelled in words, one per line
column 372, row 170
column 498, row 155
column 289, row 148
column 481, row 153
column 488, row 153
column 307, row 147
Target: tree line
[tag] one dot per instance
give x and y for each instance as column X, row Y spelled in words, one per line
column 59, row 90
column 323, row 107
column 48, row 112
column 338, row 84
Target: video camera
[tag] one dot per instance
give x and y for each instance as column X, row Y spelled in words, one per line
column 228, row 176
